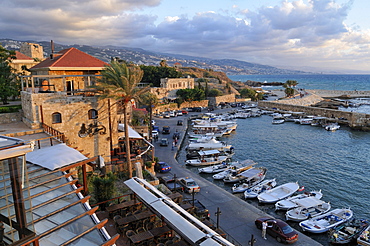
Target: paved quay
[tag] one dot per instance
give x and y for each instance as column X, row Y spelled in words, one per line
column 237, row 216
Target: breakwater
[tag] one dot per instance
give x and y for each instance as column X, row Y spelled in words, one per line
column 358, row 121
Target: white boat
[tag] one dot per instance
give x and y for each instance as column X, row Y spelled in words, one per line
column 290, row 202
column 308, row 207
column 278, row 193
column 278, row 120
column 235, row 167
column 326, row 221
column 210, row 145
column 215, row 168
column 249, row 182
column 245, row 175
column 332, row 127
column 261, row 187
column 207, row 161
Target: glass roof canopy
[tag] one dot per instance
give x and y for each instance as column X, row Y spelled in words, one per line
column 54, row 208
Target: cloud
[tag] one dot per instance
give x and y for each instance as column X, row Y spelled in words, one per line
column 292, row 32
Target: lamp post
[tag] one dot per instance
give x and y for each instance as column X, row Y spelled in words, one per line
column 218, row 213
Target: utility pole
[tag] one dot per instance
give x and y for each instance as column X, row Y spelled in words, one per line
column 218, row 213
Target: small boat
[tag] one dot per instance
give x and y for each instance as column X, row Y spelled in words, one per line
column 261, row 187
column 364, row 238
column 348, row 232
column 278, row 120
column 326, row 221
column 290, row 202
column 249, row 182
column 278, row 193
column 235, row 167
column 207, row 161
column 308, row 207
column 332, row 127
column 245, row 175
column 215, row 168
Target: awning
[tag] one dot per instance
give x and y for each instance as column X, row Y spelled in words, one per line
column 54, row 157
column 209, row 152
column 131, row 132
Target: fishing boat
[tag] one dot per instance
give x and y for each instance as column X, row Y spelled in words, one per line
column 207, row 158
column 210, row 145
column 249, row 182
column 308, row 207
column 348, row 232
column 291, row 202
column 254, row 191
column 364, row 238
column 326, row 221
column 234, row 177
column 215, row 168
column 332, row 127
column 235, row 167
column 278, row 193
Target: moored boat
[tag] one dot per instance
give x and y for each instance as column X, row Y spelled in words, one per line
column 291, row 202
column 249, row 182
column 254, row 191
column 348, row 232
column 278, row 193
column 326, row 221
column 235, row 167
column 308, row 207
column 215, row 168
column 234, row 177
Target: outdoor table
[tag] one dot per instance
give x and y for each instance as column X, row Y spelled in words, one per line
column 115, row 207
column 176, row 197
column 134, row 217
column 137, row 238
column 160, row 231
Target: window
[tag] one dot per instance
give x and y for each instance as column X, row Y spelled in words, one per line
column 93, row 114
column 56, row 118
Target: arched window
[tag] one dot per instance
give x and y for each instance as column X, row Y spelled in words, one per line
column 56, row 117
column 93, row 114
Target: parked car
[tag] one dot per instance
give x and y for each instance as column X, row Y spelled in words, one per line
column 179, row 123
column 166, row 115
column 189, row 185
column 278, row 229
column 179, row 113
column 197, row 109
column 164, row 142
column 162, row 167
column 166, row 130
column 154, row 134
column 184, row 111
column 172, row 114
column 156, row 128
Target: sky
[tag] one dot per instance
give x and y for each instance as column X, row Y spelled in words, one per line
column 321, row 34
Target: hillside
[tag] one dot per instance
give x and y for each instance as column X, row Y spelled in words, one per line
column 141, row 56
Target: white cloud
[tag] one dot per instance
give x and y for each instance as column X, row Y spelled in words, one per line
column 293, row 32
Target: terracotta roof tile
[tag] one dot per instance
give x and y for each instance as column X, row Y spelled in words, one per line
column 21, row 56
column 71, row 57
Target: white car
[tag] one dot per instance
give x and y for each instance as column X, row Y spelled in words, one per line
column 154, row 133
column 172, row 114
column 179, row 113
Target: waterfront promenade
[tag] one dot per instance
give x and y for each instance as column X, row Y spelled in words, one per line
column 237, row 216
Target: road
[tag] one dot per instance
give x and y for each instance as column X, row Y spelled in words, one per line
column 237, row 217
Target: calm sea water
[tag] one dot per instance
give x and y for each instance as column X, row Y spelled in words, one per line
column 338, row 162
column 314, row 81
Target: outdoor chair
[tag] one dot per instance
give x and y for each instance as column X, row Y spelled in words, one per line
column 130, row 233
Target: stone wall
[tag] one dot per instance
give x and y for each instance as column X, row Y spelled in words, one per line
column 334, row 93
column 6, row 118
column 215, row 101
column 174, row 106
column 39, row 107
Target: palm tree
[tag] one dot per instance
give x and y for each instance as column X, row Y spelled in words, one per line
column 150, row 101
column 119, row 81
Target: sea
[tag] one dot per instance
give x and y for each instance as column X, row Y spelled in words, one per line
column 337, row 163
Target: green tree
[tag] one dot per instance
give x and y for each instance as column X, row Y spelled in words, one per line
column 9, row 85
column 119, row 81
column 189, row 95
column 250, row 93
column 214, row 93
column 290, row 84
column 289, row 92
column 103, row 188
column 153, row 74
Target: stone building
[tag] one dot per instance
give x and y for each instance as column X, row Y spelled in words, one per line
column 32, row 50
column 22, row 61
column 56, row 96
column 177, row 83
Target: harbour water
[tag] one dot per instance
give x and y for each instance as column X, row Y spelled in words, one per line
column 338, row 163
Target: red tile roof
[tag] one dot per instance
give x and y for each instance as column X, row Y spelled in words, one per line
column 21, row 56
column 71, row 58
